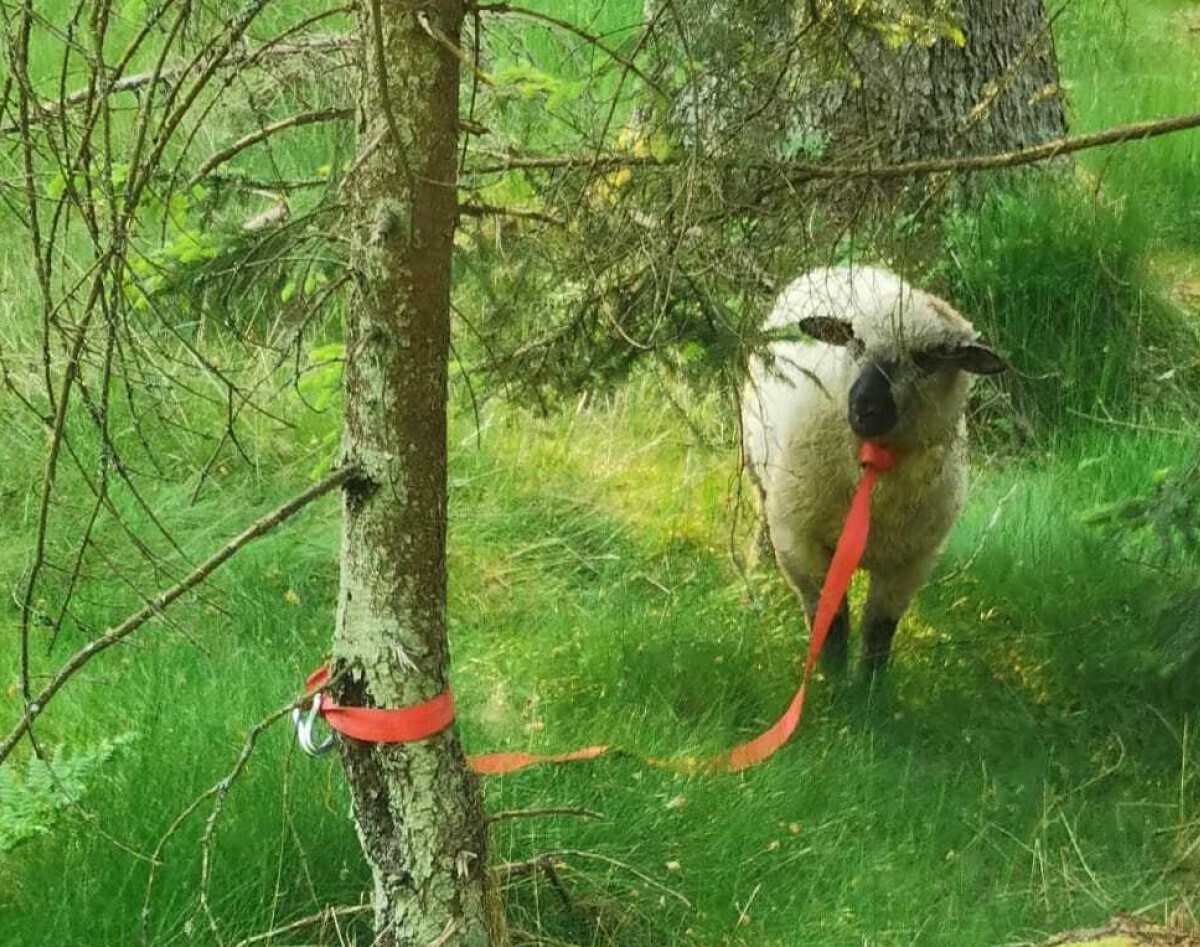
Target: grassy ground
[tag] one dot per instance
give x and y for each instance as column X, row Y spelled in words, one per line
column 1026, row 774
column 1029, row 771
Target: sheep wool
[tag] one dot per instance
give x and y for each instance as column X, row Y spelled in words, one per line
column 890, row 364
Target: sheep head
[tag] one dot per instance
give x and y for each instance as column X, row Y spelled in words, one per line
column 910, row 354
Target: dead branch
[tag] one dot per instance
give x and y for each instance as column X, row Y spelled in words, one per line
column 1127, row 931
column 57, row 436
column 542, row 864
column 538, row 813
column 118, row 633
column 796, row 172
column 551, row 857
column 477, row 209
column 214, row 161
column 330, row 913
column 319, row 44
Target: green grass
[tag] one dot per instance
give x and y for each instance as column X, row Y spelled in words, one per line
column 1061, row 281
column 1125, row 62
column 1026, row 774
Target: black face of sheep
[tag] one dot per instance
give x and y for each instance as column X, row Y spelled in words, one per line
column 888, row 381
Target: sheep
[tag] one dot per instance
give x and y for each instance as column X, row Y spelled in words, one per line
column 890, row 365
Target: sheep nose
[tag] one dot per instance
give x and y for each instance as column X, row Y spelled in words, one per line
column 872, row 421
column 872, row 407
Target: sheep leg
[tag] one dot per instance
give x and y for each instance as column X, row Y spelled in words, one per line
column 805, row 573
column 878, row 632
column 887, row 599
column 835, row 654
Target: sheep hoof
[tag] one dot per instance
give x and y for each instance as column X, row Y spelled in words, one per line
column 836, row 651
column 877, row 645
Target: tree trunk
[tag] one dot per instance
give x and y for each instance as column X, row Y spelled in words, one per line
column 415, row 805
column 821, row 81
column 998, row 91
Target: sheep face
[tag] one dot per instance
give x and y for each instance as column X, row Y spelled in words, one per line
column 909, row 374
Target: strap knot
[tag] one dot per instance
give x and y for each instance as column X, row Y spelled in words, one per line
column 875, row 456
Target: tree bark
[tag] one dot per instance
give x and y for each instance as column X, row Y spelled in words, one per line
column 997, row 92
column 817, row 81
column 415, row 805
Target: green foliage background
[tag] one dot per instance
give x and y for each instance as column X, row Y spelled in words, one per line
column 1033, row 766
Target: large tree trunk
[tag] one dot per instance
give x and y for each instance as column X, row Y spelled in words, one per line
column 416, row 806
column 998, row 91
column 824, row 81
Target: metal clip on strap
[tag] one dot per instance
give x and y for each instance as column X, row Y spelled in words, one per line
column 305, row 722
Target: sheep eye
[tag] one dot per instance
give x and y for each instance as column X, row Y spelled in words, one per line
column 855, row 347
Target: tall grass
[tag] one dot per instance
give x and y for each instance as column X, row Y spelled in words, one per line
column 1059, row 278
column 1128, row 61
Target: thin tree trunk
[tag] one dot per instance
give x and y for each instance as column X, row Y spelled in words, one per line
column 416, row 807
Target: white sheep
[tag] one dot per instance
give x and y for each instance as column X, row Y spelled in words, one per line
column 890, row 365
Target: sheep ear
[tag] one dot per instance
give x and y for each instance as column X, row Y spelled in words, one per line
column 827, row 329
column 978, row 359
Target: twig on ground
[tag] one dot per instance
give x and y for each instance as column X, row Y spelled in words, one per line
column 321, row 917
column 538, row 813
column 596, row 856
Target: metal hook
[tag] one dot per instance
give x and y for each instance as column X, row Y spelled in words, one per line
column 305, row 723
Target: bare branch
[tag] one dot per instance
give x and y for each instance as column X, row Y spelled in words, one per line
column 299, row 120
column 538, row 813
column 540, row 862
column 162, row 601
column 218, row 792
column 48, row 481
column 322, row 917
column 318, row 44
column 798, row 171
column 478, row 209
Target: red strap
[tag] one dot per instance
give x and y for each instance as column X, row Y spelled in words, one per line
column 379, row 725
column 420, row 721
column 497, row 764
column 850, row 547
